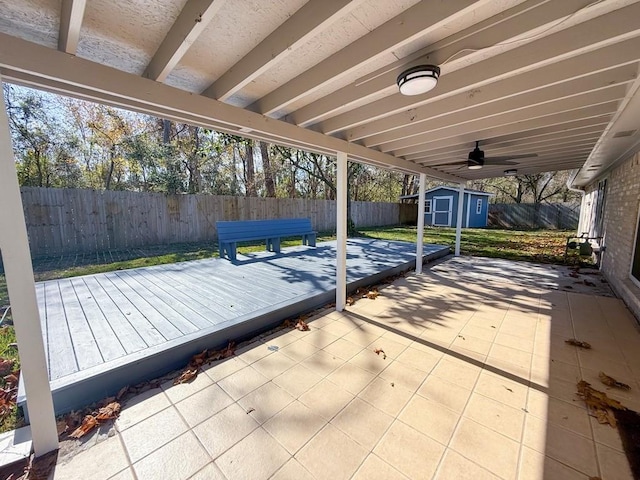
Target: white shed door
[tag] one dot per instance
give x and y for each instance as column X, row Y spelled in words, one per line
column 441, row 210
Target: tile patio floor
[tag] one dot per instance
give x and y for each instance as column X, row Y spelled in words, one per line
column 477, row 384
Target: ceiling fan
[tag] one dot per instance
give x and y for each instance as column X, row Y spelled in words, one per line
column 477, row 160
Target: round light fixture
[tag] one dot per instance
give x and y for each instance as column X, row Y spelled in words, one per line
column 474, row 166
column 511, row 172
column 418, row 80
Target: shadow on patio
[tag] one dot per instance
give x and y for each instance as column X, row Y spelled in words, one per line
column 474, row 381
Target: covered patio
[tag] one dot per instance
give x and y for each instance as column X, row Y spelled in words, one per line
column 474, row 381
column 541, row 86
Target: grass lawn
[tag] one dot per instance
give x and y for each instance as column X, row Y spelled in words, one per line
column 544, row 246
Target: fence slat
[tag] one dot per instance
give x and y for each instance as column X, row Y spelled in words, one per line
column 559, row 216
column 66, row 221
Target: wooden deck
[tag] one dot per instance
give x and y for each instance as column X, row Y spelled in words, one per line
column 108, row 330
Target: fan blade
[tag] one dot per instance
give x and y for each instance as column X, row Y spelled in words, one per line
column 498, row 161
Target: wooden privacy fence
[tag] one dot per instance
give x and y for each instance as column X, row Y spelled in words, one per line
column 68, row 221
column 561, row 216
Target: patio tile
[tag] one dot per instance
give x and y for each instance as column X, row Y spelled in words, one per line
column 606, row 435
column 299, row 350
column 563, row 445
column 543, row 369
column 489, row 449
column 463, row 374
column 455, row 466
column 403, row 375
column 409, row 451
column 209, row 472
column 292, row 470
column 297, row 380
column 254, row 352
column 418, row 359
column 225, row 429
column 484, row 332
column 363, row 423
column 326, row 399
column 126, row 474
column 391, row 347
column 370, row 361
column 219, row 370
column 570, row 416
column 362, row 337
column 502, row 389
column 430, row 418
column 511, row 355
column 141, row 407
column 100, row 462
column 184, row 390
column 244, row 381
column 343, row 349
column 519, row 343
column 445, row 393
column 265, row 458
column 374, row 468
column 320, row 338
column 143, row 438
column 385, row 396
column 613, row 464
column 203, row 404
column 264, row 402
column 339, row 458
column 322, row 363
column 177, row 460
column 338, row 328
column 473, row 344
column 273, row 365
column 294, row 426
column 496, row 415
column 536, row 466
column 351, row 378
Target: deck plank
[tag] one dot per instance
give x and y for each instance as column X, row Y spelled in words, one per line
column 62, row 358
column 126, row 334
column 84, row 344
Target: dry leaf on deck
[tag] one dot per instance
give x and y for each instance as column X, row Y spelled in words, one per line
column 350, row 301
column 612, row 382
column 599, row 403
column 199, row 359
column 372, row 294
column 12, row 379
column 89, row 423
column 302, row 326
column 578, row 343
column 108, row 412
column 186, row 376
column 121, row 393
column 379, row 351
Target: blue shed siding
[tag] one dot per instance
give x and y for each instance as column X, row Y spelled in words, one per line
column 469, row 216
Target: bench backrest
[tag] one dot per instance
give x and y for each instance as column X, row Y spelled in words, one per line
column 259, row 229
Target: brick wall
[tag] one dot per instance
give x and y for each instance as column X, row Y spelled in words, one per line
column 620, row 222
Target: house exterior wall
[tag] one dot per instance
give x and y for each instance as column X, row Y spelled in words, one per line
column 620, row 215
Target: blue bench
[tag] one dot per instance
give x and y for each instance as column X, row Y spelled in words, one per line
column 271, row 231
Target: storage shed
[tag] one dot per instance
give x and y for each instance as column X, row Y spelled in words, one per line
column 441, row 207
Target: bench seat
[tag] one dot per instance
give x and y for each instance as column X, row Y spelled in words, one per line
column 271, row 231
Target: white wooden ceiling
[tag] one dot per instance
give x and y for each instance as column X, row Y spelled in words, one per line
column 558, row 78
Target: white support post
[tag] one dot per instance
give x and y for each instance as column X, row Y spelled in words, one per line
column 341, row 232
column 16, row 256
column 459, row 221
column 420, row 239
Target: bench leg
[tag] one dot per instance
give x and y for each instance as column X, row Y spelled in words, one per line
column 273, row 244
column 309, row 239
column 228, row 250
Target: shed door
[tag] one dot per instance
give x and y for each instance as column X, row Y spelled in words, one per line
column 442, row 208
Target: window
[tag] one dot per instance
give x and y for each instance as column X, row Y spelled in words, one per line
column 427, row 207
column 479, row 206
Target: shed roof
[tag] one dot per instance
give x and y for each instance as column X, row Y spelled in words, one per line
column 456, row 190
column 559, row 79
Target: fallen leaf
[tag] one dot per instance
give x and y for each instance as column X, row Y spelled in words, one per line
column 11, row 380
column 589, row 283
column 379, row 351
column 372, row 294
column 599, row 403
column 122, row 392
column 612, row 382
column 61, row 426
column 578, row 343
column 6, row 366
column 186, row 376
column 302, row 326
column 250, row 409
column 111, row 411
column 350, row 301
column 89, row 423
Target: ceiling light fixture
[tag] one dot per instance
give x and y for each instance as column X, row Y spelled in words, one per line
column 511, row 172
column 418, row 80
